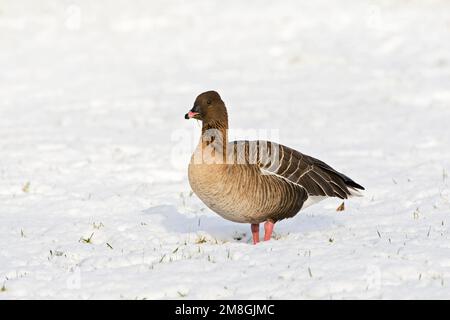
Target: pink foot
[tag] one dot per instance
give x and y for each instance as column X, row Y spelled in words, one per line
column 268, row 228
column 255, row 232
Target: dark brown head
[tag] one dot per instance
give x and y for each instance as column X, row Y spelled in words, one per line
column 208, row 107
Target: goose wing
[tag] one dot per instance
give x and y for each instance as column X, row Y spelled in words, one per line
column 315, row 176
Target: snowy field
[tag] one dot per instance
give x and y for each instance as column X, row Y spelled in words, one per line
column 94, row 197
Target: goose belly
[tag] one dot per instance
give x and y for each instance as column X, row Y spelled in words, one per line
column 246, row 200
column 212, row 188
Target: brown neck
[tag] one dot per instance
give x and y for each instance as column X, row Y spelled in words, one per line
column 215, row 135
column 221, row 125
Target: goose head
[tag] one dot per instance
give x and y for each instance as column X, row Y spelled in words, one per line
column 208, row 107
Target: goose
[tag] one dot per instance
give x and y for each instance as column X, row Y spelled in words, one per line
column 256, row 181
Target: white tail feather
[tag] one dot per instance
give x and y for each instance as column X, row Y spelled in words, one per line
column 355, row 192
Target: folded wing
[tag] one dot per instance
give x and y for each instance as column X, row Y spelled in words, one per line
column 315, row 176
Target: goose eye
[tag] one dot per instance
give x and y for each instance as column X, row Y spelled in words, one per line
column 208, row 102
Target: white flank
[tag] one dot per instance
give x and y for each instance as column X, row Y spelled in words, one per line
column 312, row 200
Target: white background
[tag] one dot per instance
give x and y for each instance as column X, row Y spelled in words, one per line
column 92, row 99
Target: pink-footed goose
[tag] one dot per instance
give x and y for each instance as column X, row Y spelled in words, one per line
column 255, row 181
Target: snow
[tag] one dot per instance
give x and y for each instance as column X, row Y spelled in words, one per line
column 94, row 197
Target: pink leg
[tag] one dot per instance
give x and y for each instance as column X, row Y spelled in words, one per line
column 268, row 228
column 255, row 232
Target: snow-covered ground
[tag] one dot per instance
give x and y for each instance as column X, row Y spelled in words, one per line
column 94, row 197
